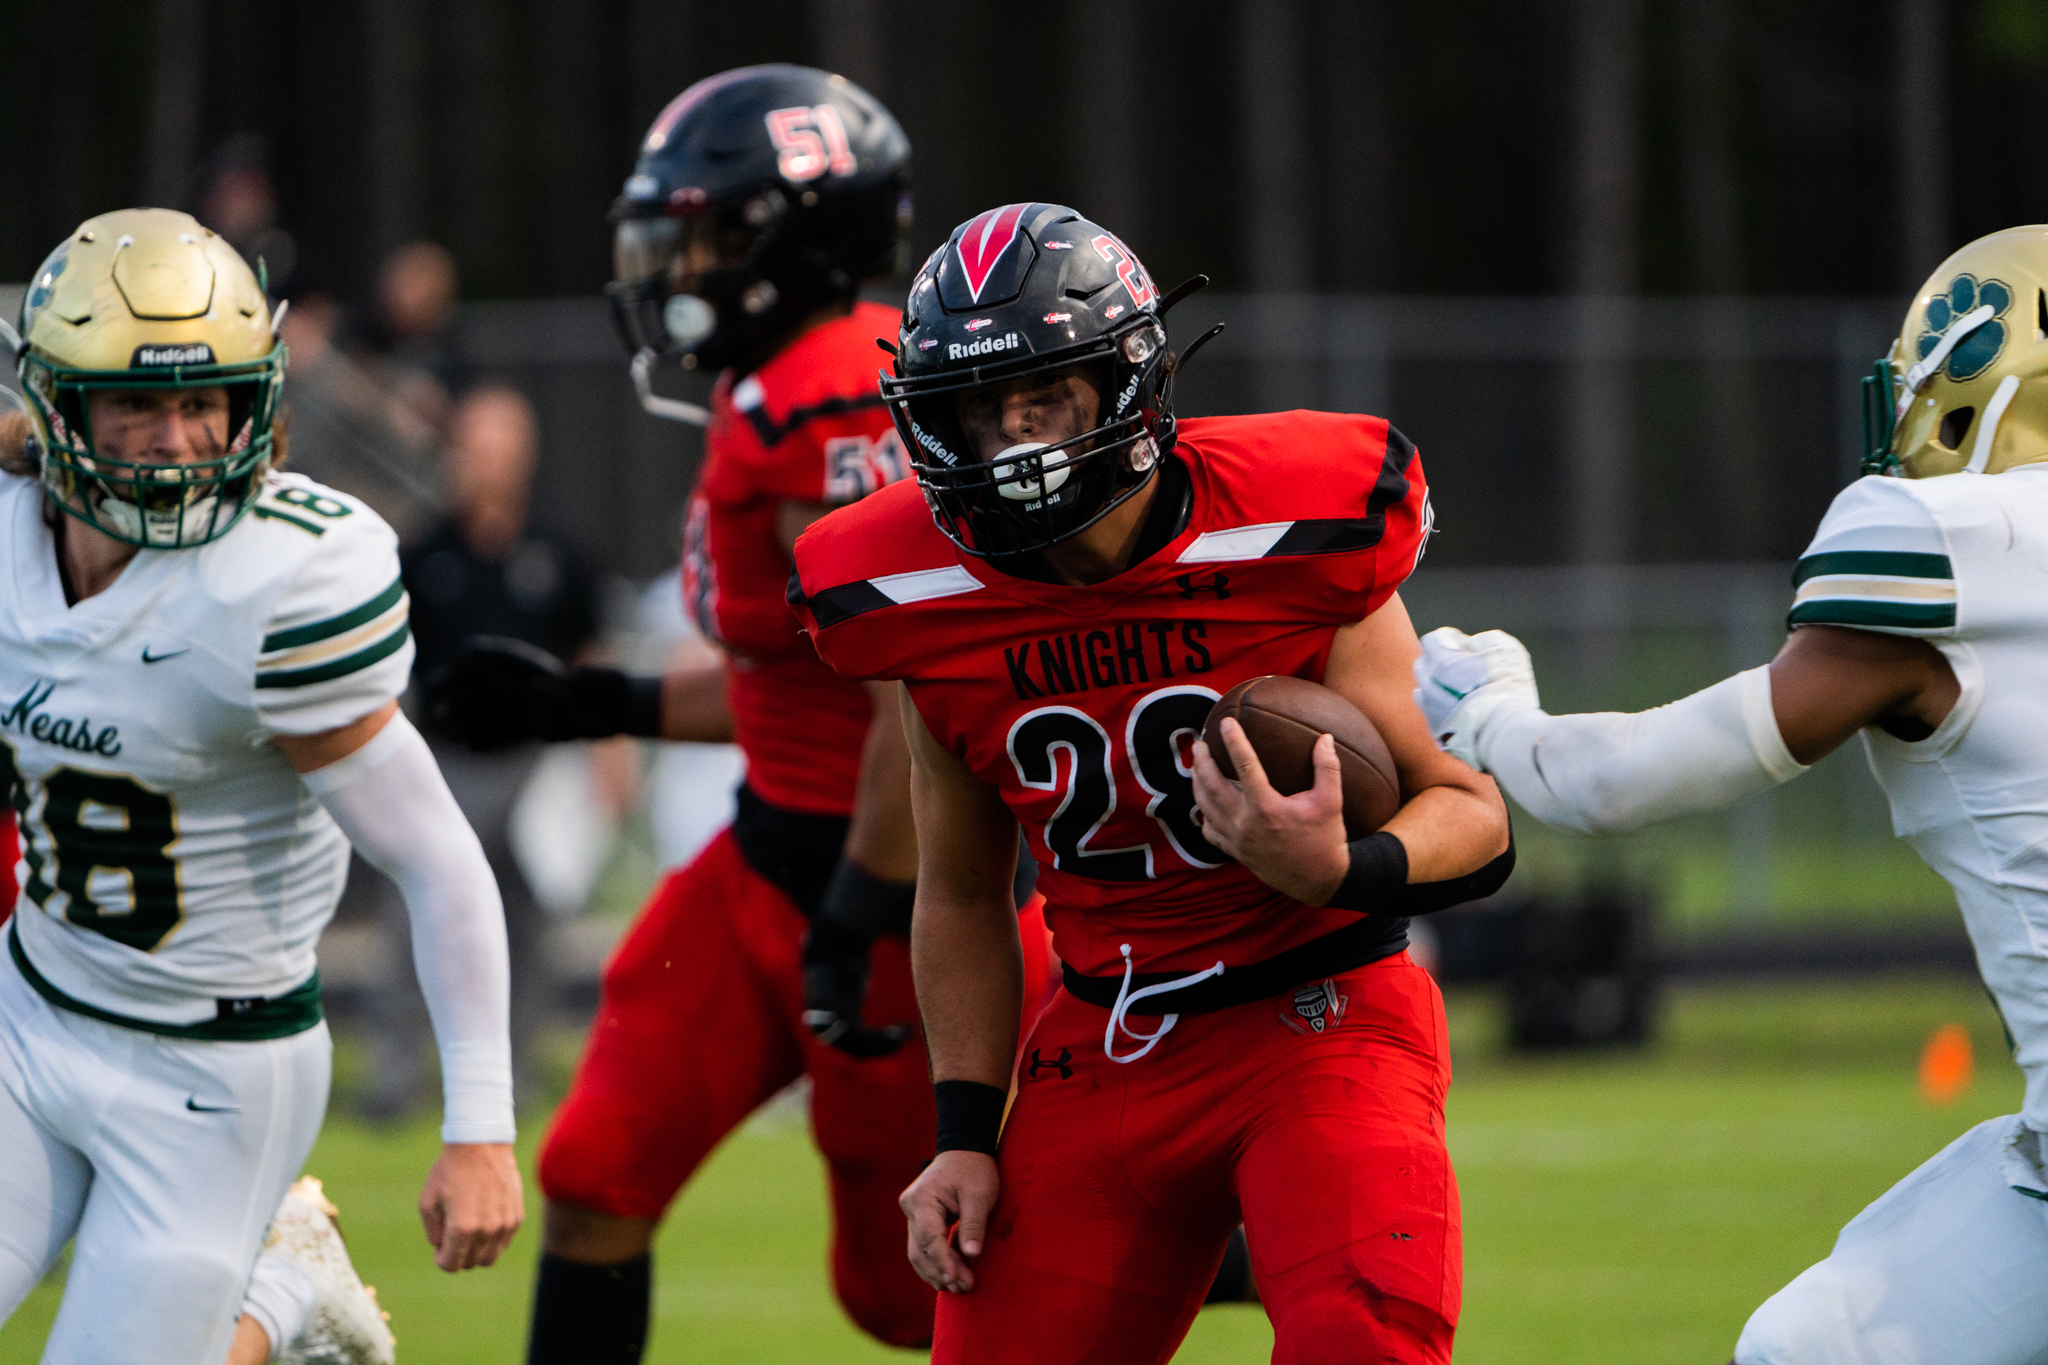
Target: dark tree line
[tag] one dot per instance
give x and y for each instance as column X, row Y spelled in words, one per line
column 1661, row 146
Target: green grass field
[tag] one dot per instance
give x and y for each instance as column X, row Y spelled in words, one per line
column 1624, row 1207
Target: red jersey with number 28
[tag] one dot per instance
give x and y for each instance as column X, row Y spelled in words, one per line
column 808, row 426
column 1080, row 703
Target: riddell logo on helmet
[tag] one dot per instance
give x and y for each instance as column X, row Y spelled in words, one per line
column 194, row 353
column 1008, row 341
column 1130, row 391
column 932, row 443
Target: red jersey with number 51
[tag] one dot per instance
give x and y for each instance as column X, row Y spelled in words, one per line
column 808, row 426
column 1080, row 703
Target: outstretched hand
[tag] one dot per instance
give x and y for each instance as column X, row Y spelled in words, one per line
column 1294, row 844
column 1461, row 679
column 472, row 1204
column 496, row 692
column 958, row 1188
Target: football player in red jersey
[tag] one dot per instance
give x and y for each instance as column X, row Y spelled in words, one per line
column 760, row 199
column 1241, row 1034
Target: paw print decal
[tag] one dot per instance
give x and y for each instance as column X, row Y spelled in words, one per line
column 1975, row 352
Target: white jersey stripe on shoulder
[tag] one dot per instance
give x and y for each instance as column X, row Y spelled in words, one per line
column 925, row 584
column 1236, row 542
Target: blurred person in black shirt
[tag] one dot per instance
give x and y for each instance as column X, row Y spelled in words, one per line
column 484, row 569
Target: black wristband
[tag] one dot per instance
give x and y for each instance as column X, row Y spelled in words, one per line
column 970, row 1115
column 643, row 708
column 1377, row 882
column 857, row 899
column 1379, row 867
column 606, row 702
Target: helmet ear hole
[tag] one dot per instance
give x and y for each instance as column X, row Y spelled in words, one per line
column 1955, row 425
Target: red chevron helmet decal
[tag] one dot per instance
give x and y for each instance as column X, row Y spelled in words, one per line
column 983, row 241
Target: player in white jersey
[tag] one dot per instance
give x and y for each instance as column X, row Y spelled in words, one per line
column 199, row 657
column 1920, row 622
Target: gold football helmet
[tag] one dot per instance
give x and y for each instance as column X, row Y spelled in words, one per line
column 149, row 299
column 1965, row 387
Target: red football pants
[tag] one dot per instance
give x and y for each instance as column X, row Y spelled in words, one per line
column 699, row 1022
column 1121, row 1183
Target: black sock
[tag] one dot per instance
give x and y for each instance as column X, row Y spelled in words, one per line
column 1233, row 1283
column 590, row 1314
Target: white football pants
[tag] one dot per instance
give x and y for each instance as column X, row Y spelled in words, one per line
column 164, row 1158
column 1948, row 1267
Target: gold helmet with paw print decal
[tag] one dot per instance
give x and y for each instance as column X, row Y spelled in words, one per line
column 1965, row 387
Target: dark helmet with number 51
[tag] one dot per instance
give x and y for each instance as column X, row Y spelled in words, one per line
column 796, row 184
column 1024, row 290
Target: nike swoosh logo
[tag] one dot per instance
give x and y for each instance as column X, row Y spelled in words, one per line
column 149, row 658
column 196, row 1107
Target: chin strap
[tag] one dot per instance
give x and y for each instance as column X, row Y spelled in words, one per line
column 1924, row 371
column 1987, row 426
column 669, row 409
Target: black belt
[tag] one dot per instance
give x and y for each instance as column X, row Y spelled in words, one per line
column 1374, row 937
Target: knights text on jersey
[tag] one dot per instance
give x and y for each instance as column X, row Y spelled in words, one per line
column 174, row 859
column 809, row 426
column 1961, row 561
column 1079, row 704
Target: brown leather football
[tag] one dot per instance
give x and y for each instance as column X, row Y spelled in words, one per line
column 1283, row 718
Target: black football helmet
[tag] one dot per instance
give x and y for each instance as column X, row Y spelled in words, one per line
column 1015, row 291
column 804, row 167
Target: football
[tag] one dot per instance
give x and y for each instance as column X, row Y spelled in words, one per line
column 1283, row 718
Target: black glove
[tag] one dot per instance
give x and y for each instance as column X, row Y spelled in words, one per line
column 857, row 907
column 498, row 692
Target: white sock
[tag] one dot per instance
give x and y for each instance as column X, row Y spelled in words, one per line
column 280, row 1298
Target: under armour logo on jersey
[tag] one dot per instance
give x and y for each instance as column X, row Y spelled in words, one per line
column 1218, row 583
column 982, row 243
column 1059, row 1063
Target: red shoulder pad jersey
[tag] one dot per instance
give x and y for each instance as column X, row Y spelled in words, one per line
column 808, row 426
column 1080, row 704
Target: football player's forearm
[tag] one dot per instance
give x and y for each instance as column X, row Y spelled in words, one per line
column 693, row 708
column 1451, row 831
column 969, row 966
column 882, row 836
column 1610, row 772
column 390, row 800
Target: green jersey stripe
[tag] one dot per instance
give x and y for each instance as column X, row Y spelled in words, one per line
column 1890, row 563
column 242, row 1021
column 335, row 625
column 342, row 667
column 1842, row 611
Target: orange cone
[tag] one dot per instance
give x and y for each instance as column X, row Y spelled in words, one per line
column 1947, row 1065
